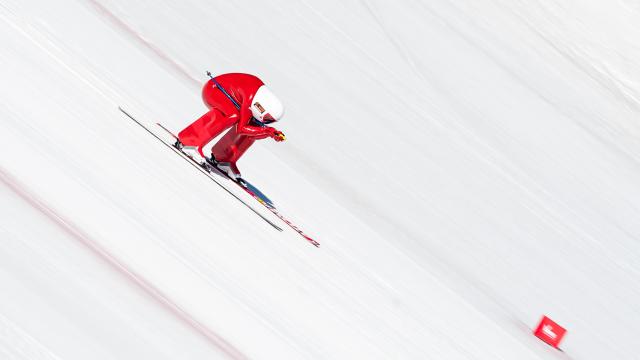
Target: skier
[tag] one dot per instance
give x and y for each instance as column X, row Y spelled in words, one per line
column 241, row 103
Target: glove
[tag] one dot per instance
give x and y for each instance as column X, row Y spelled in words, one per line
column 278, row 136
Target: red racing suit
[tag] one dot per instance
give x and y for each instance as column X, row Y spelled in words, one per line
column 223, row 115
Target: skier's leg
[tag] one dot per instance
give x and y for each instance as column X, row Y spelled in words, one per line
column 242, row 144
column 231, row 146
column 225, row 147
column 229, row 149
column 203, row 130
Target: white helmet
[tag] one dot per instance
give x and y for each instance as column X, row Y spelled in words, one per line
column 265, row 106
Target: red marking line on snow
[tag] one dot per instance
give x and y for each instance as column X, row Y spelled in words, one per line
column 75, row 232
column 113, row 18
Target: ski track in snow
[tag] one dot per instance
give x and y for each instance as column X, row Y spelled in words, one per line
column 17, row 344
column 85, row 239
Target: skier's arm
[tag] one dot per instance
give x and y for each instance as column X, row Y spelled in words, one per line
column 257, row 132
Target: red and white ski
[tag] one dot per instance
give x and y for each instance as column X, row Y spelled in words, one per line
column 246, row 186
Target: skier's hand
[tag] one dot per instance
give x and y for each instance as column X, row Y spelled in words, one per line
column 278, row 136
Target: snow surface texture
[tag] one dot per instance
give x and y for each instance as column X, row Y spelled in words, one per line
column 466, row 165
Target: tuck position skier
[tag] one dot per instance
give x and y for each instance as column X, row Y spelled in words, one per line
column 241, row 103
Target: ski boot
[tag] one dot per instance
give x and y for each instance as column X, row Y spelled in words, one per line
column 227, row 168
column 192, row 152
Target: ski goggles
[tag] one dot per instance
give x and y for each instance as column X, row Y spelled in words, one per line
column 266, row 119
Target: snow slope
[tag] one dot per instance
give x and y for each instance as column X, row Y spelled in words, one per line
column 466, row 166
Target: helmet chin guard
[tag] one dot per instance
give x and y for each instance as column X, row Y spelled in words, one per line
column 265, row 106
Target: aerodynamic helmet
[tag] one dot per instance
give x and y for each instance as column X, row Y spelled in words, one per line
column 265, row 106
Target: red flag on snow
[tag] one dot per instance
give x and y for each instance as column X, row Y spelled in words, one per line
column 549, row 332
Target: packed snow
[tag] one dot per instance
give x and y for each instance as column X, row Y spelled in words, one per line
column 467, row 166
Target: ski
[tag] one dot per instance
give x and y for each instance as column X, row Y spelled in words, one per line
column 209, row 171
column 256, row 194
column 197, row 166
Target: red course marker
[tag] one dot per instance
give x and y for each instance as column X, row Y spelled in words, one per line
column 550, row 332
